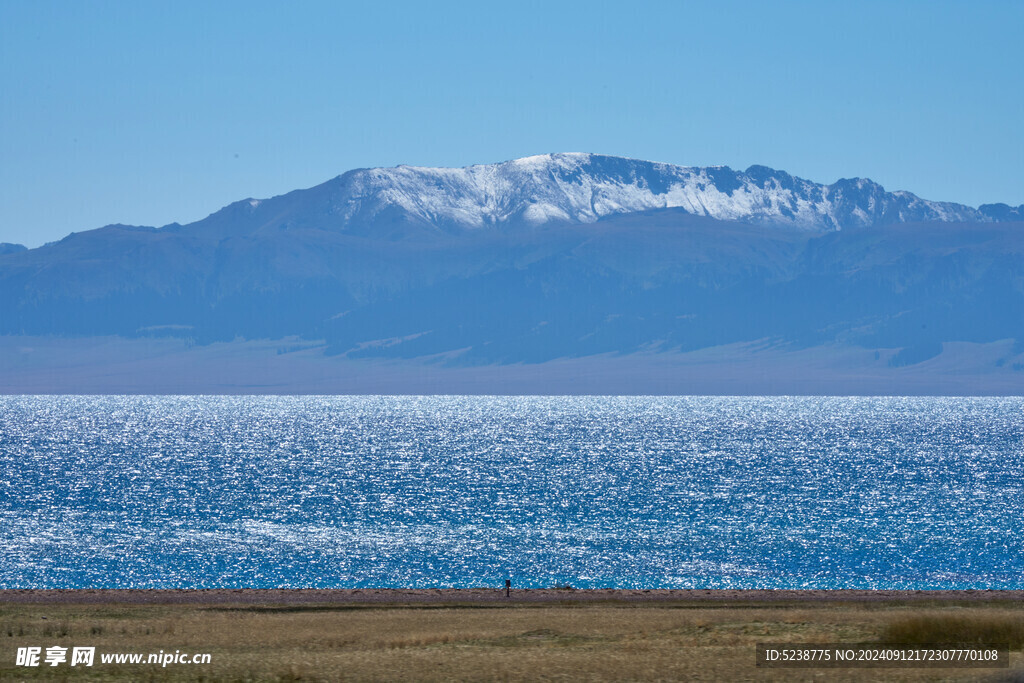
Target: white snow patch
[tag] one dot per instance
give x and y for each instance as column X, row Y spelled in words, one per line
column 583, row 187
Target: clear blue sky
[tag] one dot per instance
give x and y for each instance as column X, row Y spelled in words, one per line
column 153, row 112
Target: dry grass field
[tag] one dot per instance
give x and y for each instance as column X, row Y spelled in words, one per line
column 553, row 641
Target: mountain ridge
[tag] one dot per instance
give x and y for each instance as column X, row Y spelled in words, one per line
column 577, row 188
column 582, row 188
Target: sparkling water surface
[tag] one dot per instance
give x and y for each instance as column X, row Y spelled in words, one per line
column 766, row 492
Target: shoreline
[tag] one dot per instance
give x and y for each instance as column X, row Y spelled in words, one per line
column 496, row 597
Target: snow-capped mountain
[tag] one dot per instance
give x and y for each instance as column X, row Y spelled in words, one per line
column 584, row 188
column 539, row 259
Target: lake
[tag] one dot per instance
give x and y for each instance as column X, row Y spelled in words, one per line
column 461, row 491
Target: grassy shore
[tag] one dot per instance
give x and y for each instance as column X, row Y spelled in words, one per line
column 563, row 637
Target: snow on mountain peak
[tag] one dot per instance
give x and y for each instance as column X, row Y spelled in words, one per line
column 583, row 188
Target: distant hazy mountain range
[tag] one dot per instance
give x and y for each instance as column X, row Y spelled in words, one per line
column 544, row 259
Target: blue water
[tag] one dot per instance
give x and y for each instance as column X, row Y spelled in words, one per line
column 162, row 492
